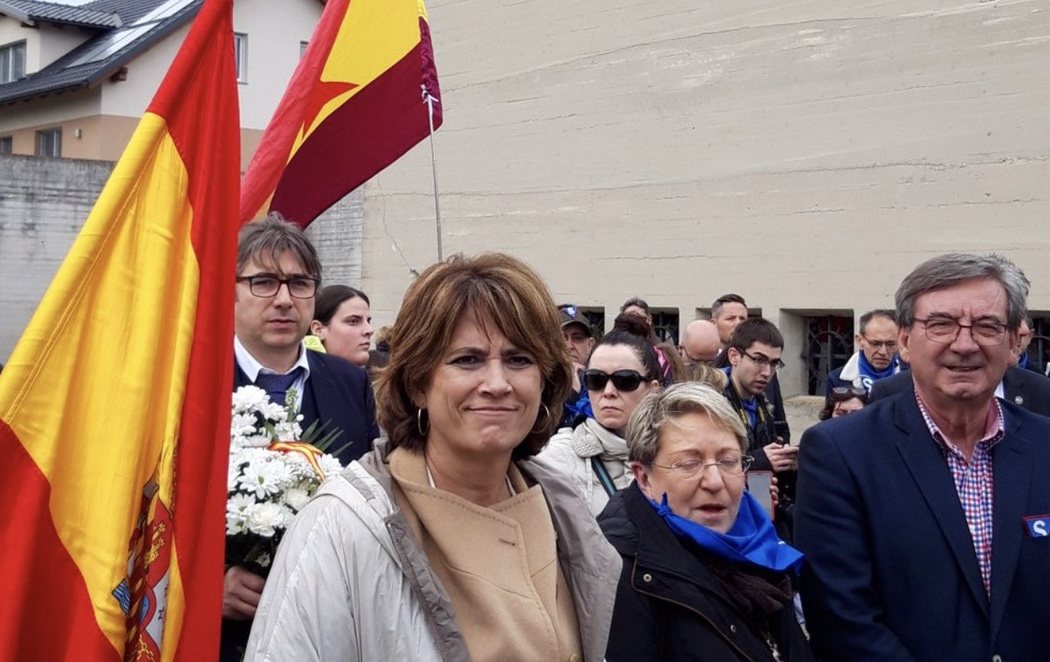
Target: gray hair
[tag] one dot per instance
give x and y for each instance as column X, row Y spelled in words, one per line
column 660, row 408
column 266, row 239
column 953, row 268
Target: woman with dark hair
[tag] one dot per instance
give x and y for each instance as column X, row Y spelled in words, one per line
column 843, row 400
column 704, row 575
column 448, row 541
column 621, row 370
column 343, row 322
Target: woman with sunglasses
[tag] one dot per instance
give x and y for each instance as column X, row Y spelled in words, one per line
column 704, row 575
column 843, row 400
column 621, row 370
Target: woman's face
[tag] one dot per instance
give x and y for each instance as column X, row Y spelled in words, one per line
column 709, row 498
column 349, row 332
column 613, row 407
column 847, row 407
column 484, row 396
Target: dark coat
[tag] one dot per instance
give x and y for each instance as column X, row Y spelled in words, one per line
column 671, row 606
column 1024, row 388
column 891, row 573
column 339, row 394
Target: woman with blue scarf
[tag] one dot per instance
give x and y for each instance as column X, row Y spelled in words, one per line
column 704, row 575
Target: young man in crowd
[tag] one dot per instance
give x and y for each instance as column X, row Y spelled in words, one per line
column 754, row 355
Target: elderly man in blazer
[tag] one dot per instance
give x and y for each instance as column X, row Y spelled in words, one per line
column 924, row 517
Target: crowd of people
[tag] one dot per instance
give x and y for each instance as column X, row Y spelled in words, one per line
column 518, row 488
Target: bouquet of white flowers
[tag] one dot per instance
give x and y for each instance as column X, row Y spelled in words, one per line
column 273, row 471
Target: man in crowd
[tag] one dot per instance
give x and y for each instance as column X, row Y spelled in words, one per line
column 754, row 359
column 727, row 312
column 278, row 274
column 923, row 517
column 700, row 342
column 579, row 340
column 876, row 357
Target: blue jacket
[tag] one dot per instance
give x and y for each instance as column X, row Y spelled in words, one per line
column 891, row 574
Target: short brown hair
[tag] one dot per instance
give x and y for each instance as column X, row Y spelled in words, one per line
column 494, row 288
column 266, row 239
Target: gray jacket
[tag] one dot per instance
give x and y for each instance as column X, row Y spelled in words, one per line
column 351, row 582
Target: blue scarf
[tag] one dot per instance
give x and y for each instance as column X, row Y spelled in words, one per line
column 751, row 539
column 868, row 373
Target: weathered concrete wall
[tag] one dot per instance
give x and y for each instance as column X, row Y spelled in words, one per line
column 44, row 203
column 806, row 155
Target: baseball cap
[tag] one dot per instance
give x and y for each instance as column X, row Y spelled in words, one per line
column 570, row 314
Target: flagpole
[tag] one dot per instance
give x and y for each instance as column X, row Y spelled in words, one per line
column 434, row 172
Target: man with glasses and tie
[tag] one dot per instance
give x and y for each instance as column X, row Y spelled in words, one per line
column 925, row 517
column 876, row 356
column 754, row 355
column 278, row 273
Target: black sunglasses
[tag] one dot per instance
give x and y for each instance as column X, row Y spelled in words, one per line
column 849, row 392
column 623, row 380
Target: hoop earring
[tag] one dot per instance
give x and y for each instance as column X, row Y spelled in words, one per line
column 546, row 418
column 419, row 423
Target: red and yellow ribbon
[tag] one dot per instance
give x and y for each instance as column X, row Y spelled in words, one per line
column 309, row 451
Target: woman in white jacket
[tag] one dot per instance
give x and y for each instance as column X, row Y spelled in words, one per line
column 621, row 370
column 449, row 542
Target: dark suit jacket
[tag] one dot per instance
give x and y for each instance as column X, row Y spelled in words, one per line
column 337, row 393
column 891, row 574
column 1021, row 387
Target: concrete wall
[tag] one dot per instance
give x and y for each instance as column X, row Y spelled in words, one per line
column 44, row 203
column 806, row 155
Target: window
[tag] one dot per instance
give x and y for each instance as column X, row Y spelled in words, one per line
column 302, row 48
column 49, row 143
column 240, row 56
column 12, row 62
column 7, row 144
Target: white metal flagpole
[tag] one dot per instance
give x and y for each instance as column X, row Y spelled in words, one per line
column 433, row 168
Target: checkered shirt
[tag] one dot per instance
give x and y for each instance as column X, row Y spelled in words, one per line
column 974, row 482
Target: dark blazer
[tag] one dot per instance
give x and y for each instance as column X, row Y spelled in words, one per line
column 671, row 606
column 339, row 394
column 1021, row 387
column 890, row 573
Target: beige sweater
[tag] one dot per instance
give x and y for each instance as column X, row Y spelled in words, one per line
column 499, row 565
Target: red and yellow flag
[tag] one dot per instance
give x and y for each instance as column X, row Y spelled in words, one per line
column 357, row 102
column 115, row 405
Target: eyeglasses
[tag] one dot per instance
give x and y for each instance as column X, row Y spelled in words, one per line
column 946, row 330
column 623, row 380
column 764, row 361
column 888, row 345
column 268, row 285
column 688, row 469
column 849, row 392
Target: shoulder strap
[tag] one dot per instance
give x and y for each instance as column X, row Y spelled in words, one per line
column 603, row 475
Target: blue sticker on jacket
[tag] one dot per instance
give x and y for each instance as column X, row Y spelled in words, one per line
column 1038, row 525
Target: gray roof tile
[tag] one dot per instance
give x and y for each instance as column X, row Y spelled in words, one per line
column 64, row 75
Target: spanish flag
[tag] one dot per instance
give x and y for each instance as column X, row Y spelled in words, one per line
column 115, row 405
column 357, row 102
